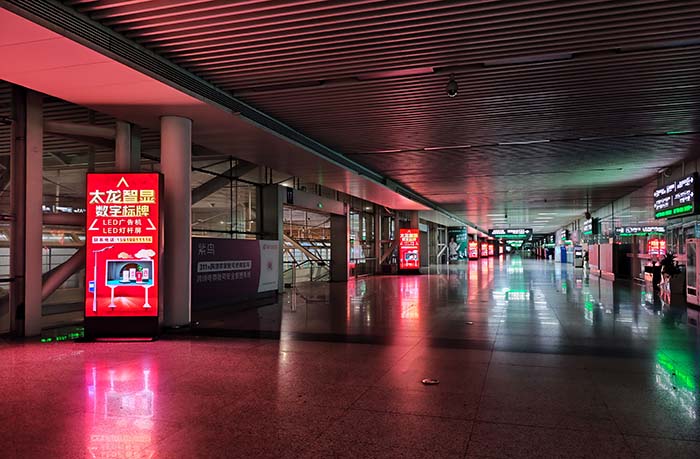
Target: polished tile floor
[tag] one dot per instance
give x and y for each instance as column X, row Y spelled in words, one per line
column 533, row 358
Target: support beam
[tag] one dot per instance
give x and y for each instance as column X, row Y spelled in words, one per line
column 127, row 148
column 18, row 162
column 58, row 219
column 310, row 255
column 53, row 279
column 80, row 130
column 33, row 214
column 176, row 164
column 215, row 184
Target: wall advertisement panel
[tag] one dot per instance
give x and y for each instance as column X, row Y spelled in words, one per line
column 228, row 270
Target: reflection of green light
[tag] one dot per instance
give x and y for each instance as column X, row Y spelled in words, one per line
column 683, row 378
column 77, row 334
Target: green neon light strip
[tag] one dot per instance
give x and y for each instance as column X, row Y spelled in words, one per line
column 511, row 236
column 687, row 209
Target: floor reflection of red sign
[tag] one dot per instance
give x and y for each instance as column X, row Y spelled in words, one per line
column 409, row 249
column 409, row 297
column 120, row 410
column 122, row 244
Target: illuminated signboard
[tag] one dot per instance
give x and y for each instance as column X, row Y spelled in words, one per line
column 656, row 247
column 409, row 249
column 677, row 198
column 122, row 245
column 484, row 249
column 473, row 250
column 591, row 226
column 491, row 250
column 639, row 230
column 511, row 233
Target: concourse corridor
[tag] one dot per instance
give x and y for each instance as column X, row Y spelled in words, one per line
column 534, row 359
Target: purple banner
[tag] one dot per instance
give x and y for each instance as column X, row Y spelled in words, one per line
column 227, row 270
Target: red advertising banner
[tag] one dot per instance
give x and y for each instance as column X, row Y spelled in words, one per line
column 409, row 249
column 484, row 249
column 473, row 250
column 656, row 247
column 491, row 250
column 122, row 244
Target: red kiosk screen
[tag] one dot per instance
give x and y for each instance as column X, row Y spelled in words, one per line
column 122, row 245
column 473, row 249
column 656, row 247
column 409, row 249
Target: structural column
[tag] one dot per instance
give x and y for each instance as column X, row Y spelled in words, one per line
column 340, row 240
column 127, row 147
column 176, row 165
column 33, row 214
column 18, row 161
column 270, row 217
column 377, row 238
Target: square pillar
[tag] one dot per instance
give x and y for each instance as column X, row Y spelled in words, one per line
column 34, row 199
column 18, row 162
column 270, row 218
column 176, row 166
column 340, row 251
column 127, row 148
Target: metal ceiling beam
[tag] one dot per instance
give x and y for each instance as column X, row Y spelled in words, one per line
column 79, row 130
column 215, row 184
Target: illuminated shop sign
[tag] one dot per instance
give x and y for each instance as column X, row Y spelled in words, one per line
column 591, row 226
column 473, row 250
column 484, row 249
column 409, row 249
column 639, row 230
column 491, row 250
column 656, row 247
column 511, row 233
column 122, row 245
column 677, row 198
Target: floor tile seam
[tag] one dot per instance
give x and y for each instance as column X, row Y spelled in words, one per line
column 551, row 428
column 418, row 415
column 614, row 420
column 478, row 404
column 661, row 437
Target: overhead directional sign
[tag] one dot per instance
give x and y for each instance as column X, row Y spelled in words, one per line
column 511, row 233
column 639, row 230
column 676, row 199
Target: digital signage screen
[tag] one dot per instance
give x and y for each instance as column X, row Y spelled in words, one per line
column 409, row 249
column 473, row 250
column 484, row 246
column 122, row 241
column 676, row 199
column 656, row 247
column 457, row 238
column 591, row 226
column 639, row 230
column 511, row 233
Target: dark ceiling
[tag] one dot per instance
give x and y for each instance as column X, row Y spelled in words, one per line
column 559, row 101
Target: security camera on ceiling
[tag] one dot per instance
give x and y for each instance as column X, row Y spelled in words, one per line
column 587, row 214
column 452, row 87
